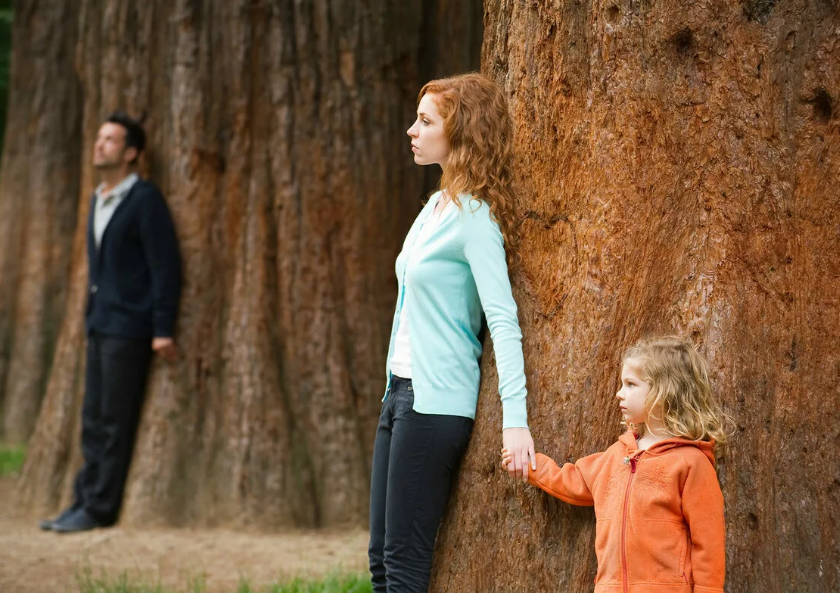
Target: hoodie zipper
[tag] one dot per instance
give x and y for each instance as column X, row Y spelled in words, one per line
column 624, row 578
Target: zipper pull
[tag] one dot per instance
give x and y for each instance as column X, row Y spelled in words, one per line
column 632, row 465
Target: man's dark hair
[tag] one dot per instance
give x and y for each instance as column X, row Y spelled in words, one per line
column 135, row 135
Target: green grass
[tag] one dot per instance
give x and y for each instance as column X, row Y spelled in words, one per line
column 11, row 459
column 124, row 583
column 332, row 584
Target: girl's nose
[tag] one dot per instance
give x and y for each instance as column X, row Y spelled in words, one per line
column 410, row 131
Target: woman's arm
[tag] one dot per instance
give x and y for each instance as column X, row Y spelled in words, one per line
column 485, row 253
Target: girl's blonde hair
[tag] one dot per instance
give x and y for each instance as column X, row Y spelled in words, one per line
column 478, row 127
column 679, row 389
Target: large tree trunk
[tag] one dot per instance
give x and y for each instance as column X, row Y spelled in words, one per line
column 38, row 199
column 277, row 132
column 680, row 167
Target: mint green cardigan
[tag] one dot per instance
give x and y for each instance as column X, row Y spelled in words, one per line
column 447, row 280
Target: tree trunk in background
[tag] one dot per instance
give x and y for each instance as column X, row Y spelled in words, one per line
column 277, row 133
column 680, row 170
column 452, row 34
column 38, row 198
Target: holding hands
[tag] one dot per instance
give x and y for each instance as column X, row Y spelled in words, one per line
column 518, row 453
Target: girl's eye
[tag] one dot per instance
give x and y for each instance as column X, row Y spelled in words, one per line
column 426, row 122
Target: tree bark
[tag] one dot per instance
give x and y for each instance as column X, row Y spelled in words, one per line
column 38, row 199
column 679, row 167
column 277, row 133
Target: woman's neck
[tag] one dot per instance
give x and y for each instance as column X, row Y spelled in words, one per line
column 443, row 199
column 441, row 204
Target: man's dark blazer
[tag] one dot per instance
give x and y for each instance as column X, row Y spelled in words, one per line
column 134, row 280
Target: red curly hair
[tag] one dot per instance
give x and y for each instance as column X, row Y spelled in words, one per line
column 478, row 127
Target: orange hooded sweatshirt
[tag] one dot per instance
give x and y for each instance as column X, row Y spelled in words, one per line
column 659, row 512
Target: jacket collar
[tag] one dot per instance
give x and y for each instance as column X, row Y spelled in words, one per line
column 629, row 441
column 120, row 190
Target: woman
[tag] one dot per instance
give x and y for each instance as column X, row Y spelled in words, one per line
column 452, row 266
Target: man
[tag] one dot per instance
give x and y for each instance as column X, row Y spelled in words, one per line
column 134, row 288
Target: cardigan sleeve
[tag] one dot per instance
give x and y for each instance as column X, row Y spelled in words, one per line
column 485, row 253
column 160, row 244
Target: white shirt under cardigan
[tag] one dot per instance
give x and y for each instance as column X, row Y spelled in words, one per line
column 106, row 204
column 401, row 359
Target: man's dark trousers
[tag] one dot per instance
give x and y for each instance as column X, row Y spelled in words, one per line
column 115, row 383
column 114, row 386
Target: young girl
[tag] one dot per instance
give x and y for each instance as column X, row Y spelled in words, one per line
column 451, row 268
column 658, row 504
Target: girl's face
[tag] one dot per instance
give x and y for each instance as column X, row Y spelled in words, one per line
column 633, row 393
column 428, row 139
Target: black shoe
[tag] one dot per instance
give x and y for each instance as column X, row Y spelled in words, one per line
column 47, row 524
column 78, row 521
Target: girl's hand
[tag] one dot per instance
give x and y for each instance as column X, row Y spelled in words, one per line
column 506, row 458
column 519, row 447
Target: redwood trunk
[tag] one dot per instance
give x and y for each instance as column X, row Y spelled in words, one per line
column 277, row 133
column 39, row 187
column 680, row 165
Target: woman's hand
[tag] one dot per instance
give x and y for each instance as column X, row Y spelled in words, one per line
column 519, row 452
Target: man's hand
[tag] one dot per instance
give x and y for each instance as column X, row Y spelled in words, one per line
column 166, row 348
column 519, row 447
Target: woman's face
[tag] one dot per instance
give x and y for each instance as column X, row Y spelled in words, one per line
column 428, row 139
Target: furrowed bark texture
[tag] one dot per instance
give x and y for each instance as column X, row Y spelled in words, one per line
column 679, row 166
column 39, row 188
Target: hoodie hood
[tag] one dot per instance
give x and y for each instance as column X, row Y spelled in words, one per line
column 707, row 447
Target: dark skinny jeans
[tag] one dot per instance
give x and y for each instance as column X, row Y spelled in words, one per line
column 415, row 460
